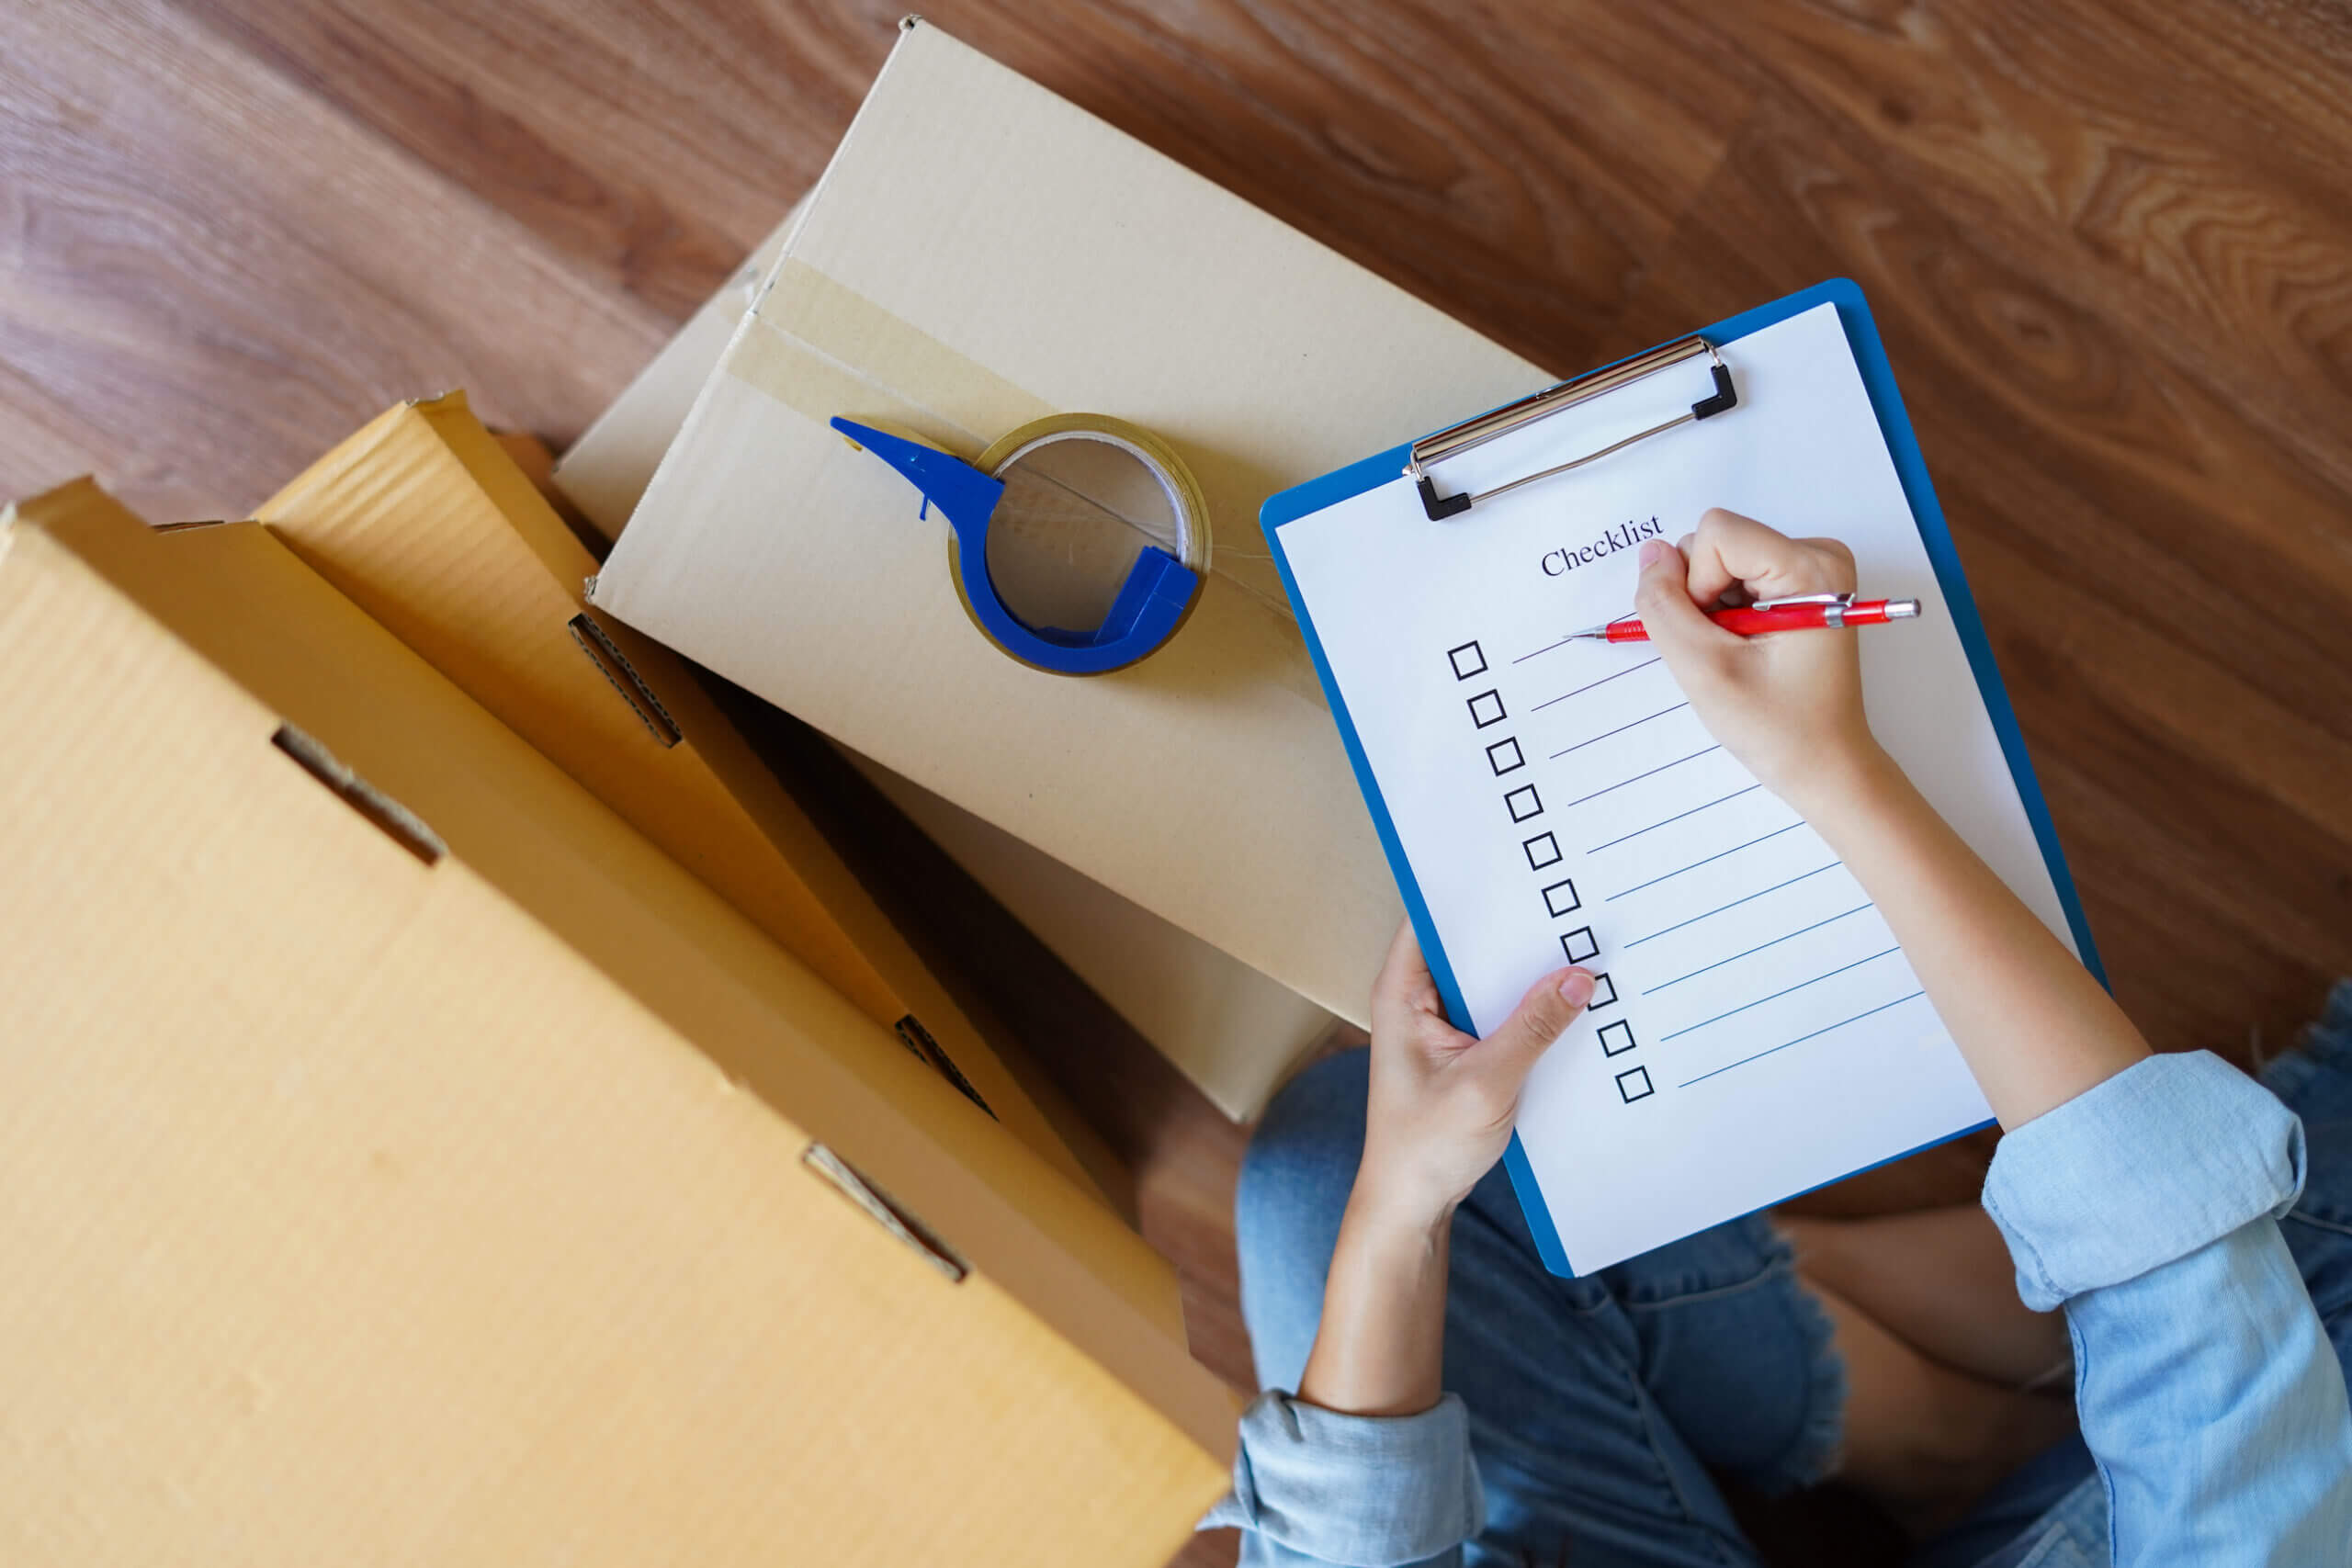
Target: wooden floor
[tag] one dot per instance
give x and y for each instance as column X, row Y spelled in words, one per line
column 2109, row 246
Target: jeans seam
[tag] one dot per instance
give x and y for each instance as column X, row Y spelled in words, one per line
column 2305, row 1217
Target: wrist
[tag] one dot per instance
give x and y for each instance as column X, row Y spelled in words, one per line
column 1844, row 781
column 1397, row 1214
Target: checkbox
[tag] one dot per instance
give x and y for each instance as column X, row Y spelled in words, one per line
column 1579, row 944
column 1486, row 708
column 1616, row 1039
column 1633, row 1084
column 1468, row 659
column 1524, row 803
column 1505, row 757
column 1604, row 992
column 1561, row 898
column 1542, row 850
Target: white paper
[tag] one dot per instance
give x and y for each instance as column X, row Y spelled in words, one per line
column 1760, row 1032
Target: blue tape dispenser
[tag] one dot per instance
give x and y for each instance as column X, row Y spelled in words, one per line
column 1161, row 586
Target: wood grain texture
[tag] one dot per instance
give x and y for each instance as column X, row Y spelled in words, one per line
column 2109, row 246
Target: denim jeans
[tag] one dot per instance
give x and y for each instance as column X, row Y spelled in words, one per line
column 1603, row 1409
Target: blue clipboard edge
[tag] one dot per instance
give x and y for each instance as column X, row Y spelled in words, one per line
column 1911, row 468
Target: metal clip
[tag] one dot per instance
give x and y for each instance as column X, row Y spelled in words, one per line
column 1475, row 433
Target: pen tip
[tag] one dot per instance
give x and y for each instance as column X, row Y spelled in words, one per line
column 1590, row 633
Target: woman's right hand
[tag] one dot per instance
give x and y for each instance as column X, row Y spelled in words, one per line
column 1788, row 704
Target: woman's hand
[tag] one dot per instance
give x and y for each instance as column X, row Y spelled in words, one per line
column 1788, row 704
column 1441, row 1113
column 1442, row 1102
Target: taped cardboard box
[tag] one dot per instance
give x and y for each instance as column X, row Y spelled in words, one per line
column 981, row 252
column 1231, row 1030
column 428, row 524
column 393, row 1141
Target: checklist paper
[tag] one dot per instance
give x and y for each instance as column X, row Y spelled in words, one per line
column 1757, row 1031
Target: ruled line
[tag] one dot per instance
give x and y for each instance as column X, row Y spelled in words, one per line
column 1760, row 947
column 1637, row 778
column 1776, row 996
column 1580, row 690
column 1734, row 904
column 1619, row 730
column 1695, row 864
column 1675, row 818
column 1545, row 649
column 1801, row 1039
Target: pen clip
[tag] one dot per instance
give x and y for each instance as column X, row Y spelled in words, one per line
column 1803, row 599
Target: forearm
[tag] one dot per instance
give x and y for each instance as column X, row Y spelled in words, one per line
column 1380, row 1348
column 2035, row 1028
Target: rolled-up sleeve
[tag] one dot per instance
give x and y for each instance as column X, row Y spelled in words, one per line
column 1314, row 1487
column 2208, row 1390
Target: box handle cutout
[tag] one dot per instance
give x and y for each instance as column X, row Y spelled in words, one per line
column 404, row 826
column 606, row 656
column 885, row 1213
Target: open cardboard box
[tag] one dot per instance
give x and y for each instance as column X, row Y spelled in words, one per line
column 399, row 1146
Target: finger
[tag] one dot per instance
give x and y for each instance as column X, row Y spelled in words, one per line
column 1729, row 548
column 1404, row 984
column 1663, row 601
column 1542, row 1016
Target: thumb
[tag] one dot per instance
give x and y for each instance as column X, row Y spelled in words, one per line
column 1662, row 599
column 1542, row 1016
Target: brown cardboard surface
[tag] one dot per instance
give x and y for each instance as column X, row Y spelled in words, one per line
column 460, row 1207
column 979, row 251
column 1232, row 1031
column 423, row 520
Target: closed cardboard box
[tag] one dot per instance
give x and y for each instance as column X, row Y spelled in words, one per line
column 1231, row 1030
column 979, row 254
column 403, row 1158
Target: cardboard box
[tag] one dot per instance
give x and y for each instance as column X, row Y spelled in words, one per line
column 423, row 520
column 398, row 1148
column 979, row 254
column 1231, row 1030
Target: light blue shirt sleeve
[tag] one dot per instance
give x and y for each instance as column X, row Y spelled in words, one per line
column 1313, row 1486
column 2208, row 1390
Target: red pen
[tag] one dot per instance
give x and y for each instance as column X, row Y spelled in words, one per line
column 1811, row 612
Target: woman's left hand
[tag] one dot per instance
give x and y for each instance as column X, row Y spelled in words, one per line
column 1443, row 1102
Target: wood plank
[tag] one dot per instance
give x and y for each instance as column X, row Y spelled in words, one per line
column 212, row 278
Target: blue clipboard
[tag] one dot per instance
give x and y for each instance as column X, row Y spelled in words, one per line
column 1878, row 378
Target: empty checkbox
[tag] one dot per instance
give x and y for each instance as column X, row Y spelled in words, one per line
column 1504, row 756
column 1579, row 944
column 1486, row 708
column 1604, row 991
column 1524, row 803
column 1468, row 659
column 1616, row 1039
column 1561, row 898
column 1633, row 1084
column 1542, row 850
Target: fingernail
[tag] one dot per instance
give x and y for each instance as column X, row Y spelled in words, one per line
column 1576, row 988
column 1653, row 552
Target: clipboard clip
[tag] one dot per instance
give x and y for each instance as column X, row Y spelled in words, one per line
column 1473, row 433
